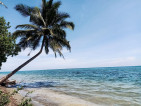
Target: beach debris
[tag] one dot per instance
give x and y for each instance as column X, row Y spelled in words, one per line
column 8, row 82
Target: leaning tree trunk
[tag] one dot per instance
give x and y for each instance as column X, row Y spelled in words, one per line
column 21, row 66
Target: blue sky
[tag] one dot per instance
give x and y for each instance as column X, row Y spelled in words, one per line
column 107, row 33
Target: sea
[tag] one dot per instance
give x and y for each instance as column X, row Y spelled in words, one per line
column 108, row 86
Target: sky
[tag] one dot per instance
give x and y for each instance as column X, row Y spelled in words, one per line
column 107, row 34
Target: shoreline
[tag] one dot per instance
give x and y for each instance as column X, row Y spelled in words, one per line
column 15, row 99
column 116, row 86
column 45, row 97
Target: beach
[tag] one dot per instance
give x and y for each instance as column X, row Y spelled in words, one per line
column 44, row 97
column 81, row 87
column 70, row 53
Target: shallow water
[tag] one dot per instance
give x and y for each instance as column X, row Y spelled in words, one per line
column 104, row 86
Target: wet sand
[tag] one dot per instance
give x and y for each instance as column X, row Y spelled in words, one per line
column 46, row 97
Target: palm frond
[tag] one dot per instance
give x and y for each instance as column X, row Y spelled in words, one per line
column 57, row 31
column 60, row 43
column 56, row 5
column 20, row 33
column 23, row 43
column 65, row 24
column 32, row 41
column 43, row 8
column 27, row 26
column 35, row 41
column 43, row 4
column 3, row 4
column 36, row 17
column 61, row 16
column 50, row 16
column 49, row 3
column 24, row 10
column 55, row 46
column 60, row 53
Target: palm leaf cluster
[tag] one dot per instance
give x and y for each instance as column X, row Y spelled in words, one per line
column 47, row 27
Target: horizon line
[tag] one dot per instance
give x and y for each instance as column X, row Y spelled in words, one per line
column 73, row 68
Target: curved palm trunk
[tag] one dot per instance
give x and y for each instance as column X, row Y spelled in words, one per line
column 21, row 66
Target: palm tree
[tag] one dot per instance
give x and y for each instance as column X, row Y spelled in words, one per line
column 3, row 4
column 48, row 27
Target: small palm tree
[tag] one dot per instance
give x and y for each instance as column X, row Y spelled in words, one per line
column 3, row 4
column 47, row 27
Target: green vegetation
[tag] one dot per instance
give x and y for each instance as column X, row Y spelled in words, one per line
column 4, row 98
column 47, row 27
column 8, row 46
column 25, row 101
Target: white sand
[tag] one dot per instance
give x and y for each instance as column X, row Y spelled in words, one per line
column 45, row 97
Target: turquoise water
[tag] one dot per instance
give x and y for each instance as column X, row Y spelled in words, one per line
column 105, row 86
